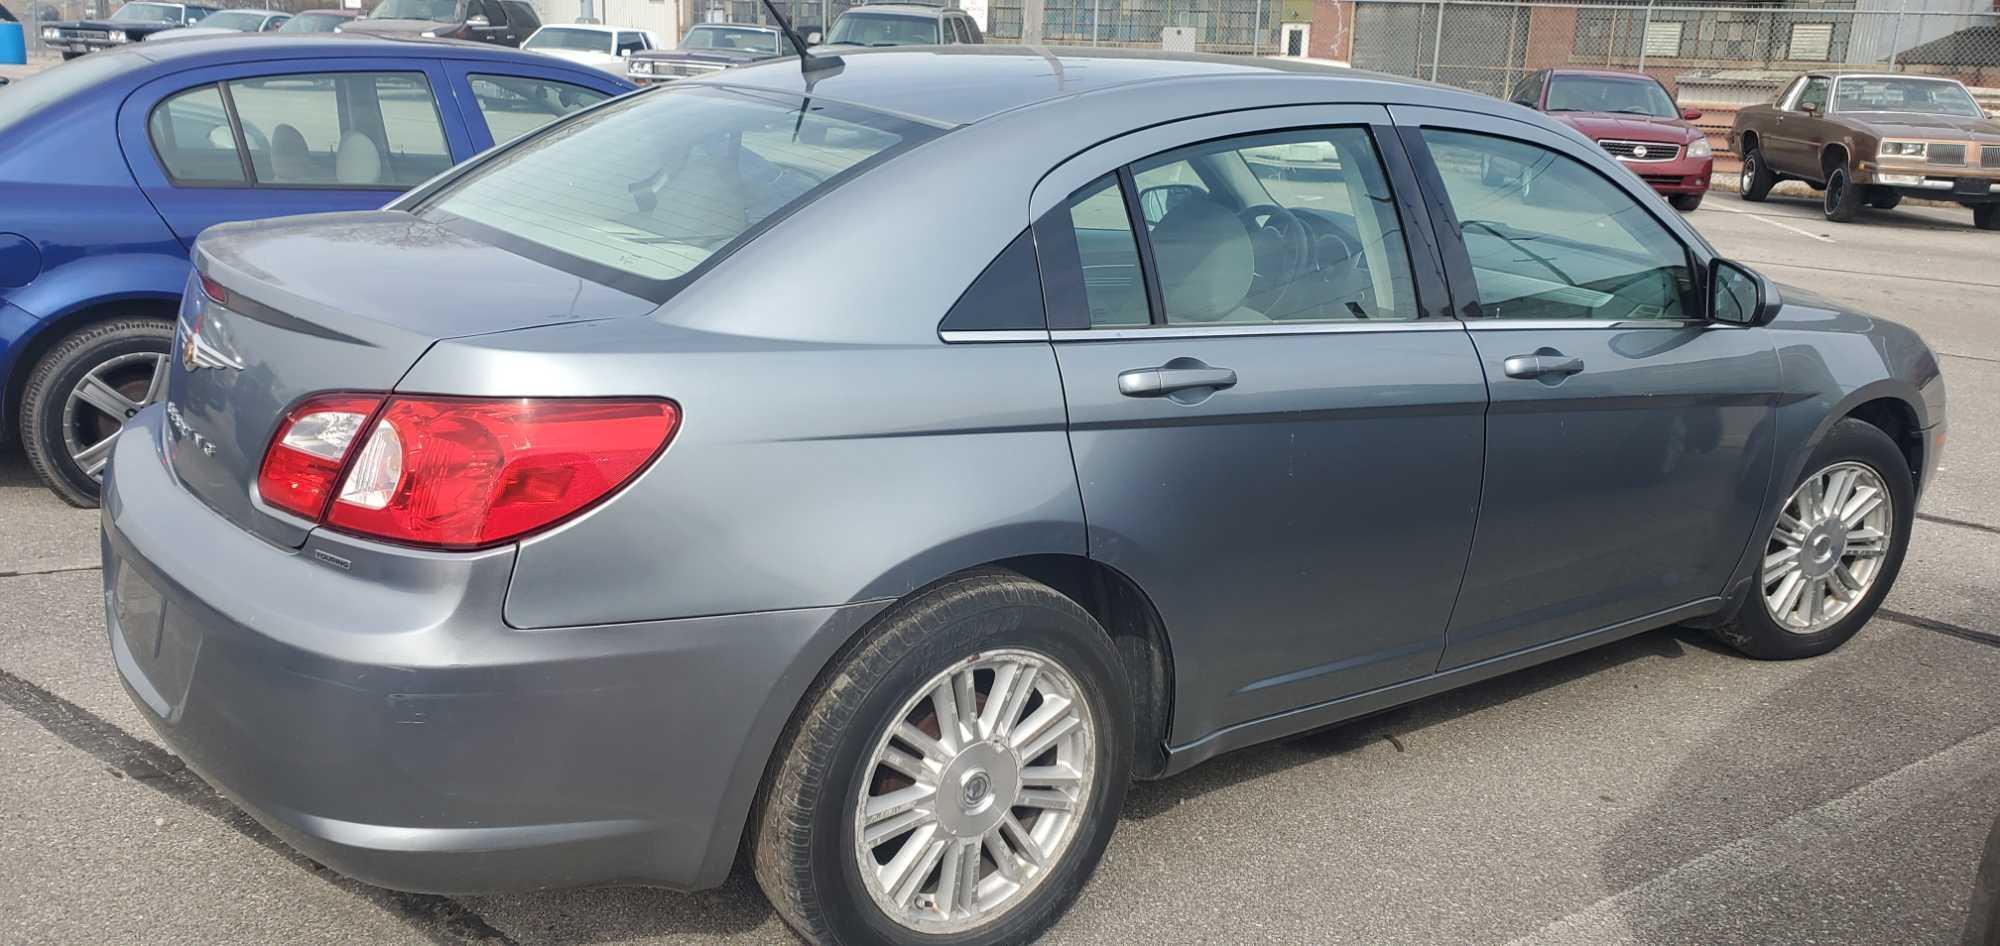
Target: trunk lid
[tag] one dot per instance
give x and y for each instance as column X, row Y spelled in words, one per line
column 333, row 302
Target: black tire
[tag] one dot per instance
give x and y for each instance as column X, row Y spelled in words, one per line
column 1754, row 631
column 1686, row 203
column 1757, row 178
column 802, row 836
column 47, row 393
column 67, row 55
column 1986, row 216
column 1882, row 198
column 1843, row 199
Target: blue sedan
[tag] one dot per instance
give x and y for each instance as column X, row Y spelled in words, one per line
column 111, row 165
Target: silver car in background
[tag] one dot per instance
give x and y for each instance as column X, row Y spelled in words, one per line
column 875, row 480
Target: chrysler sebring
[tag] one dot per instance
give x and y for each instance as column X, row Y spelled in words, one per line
column 872, row 469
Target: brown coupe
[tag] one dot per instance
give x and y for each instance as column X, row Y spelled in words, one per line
column 1873, row 139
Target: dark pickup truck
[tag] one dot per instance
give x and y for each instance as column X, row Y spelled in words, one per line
column 132, row 23
column 707, row 48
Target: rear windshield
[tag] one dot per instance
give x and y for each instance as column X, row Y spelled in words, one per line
column 639, row 193
column 725, row 37
column 555, row 37
column 24, row 97
column 884, row 29
column 443, row 11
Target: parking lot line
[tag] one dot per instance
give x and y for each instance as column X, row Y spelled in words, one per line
column 1803, row 836
column 1776, row 223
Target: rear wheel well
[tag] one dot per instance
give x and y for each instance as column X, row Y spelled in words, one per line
column 1895, row 418
column 1124, row 611
column 51, row 334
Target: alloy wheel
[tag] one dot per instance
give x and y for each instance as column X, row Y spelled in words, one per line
column 1748, row 175
column 103, row 400
column 1827, row 548
column 974, row 793
column 1836, row 191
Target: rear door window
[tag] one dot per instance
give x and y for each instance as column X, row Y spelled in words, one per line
column 191, row 135
column 341, row 129
column 516, row 105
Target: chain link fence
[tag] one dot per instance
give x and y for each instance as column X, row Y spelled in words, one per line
column 1711, row 55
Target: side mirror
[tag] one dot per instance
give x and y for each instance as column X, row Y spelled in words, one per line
column 1690, row 114
column 477, row 22
column 1156, row 202
column 1738, row 295
column 1809, row 108
column 813, row 38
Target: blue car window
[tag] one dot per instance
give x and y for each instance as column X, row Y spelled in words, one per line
column 191, row 134
column 1551, row 239
column 516, row 105
column 341, row 129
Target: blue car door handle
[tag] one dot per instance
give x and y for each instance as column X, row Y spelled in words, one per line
column 1541, row 364
column 1171, row 377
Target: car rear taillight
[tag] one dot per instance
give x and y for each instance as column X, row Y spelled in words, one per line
column 460, row 473
column 309, row 449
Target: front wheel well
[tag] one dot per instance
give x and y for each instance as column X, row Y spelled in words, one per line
column 1128, row 615
column 1896, row 418
column 1835, row 156
column 1747, row 144
column 51, row 334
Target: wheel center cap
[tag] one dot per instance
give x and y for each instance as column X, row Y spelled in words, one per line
column 977, row 788
column 1823, row 548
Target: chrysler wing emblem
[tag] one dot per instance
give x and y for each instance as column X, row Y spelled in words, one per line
column 198, row 352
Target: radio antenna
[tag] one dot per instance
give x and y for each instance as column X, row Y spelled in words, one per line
column 808, row 63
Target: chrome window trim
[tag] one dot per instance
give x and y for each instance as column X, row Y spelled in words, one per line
column 1356, row 327
column 973, row 336
column 1521, row 325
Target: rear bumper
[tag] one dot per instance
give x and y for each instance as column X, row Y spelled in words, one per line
column 388, row 724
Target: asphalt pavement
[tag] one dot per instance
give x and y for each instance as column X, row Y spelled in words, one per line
column 1656, row 791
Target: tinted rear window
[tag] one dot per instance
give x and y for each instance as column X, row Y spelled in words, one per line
column 640, row 193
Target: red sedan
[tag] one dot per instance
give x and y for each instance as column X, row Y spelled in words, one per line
column 1633, row 117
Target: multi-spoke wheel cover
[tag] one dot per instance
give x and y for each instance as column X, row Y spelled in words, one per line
column 105, row 397
column 1828, row 547
column 974, row 791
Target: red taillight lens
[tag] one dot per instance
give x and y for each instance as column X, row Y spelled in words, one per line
column 466, row 473
column 214, row 291
column 304, row 461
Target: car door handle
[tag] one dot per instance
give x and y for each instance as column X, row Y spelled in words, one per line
column 1173, row 377
column 1541, row 364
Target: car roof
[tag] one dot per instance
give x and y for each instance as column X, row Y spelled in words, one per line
column 900, row 9
column 1604, row 73
column 961, row 84
column 194, row 50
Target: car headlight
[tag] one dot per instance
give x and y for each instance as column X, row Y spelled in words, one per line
column 52, row 33
column 1700, row 149
column 430, row 34
column 1904, row 149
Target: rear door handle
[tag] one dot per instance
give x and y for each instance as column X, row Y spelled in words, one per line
column 1173, row 377
column 1542, row 364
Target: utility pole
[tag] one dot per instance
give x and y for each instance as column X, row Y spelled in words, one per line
column 1031, row 22
column 1645, row 31
column 1437, row 42
column 1257, row 32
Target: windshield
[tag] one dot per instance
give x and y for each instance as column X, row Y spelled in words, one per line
column 147, row 13
column 730, row 37
column 638, row 193
column 234, row 20
column 1606, row 94
column 1898, row 94
column 590, row 41
column 311, row 23
column 443, row 11
column 883, row 29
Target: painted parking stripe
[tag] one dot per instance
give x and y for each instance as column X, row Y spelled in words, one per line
column 1776, row 223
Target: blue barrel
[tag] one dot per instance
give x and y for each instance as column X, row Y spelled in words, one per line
column 13, row 45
